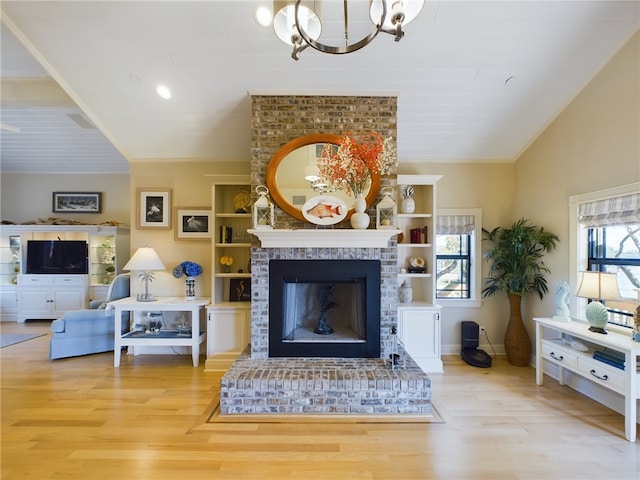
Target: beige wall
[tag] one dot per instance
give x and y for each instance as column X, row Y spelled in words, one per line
column 28, row 197
column 593, row 145
column 190, row 187
column 489, row 186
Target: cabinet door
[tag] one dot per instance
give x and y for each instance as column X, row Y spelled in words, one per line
column 65, row 300
column 228, row 334
column 8, row 301
column 34, row 301
column 419, row 331
column 227, row 331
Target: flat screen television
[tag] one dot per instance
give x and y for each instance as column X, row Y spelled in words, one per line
column 57, row 257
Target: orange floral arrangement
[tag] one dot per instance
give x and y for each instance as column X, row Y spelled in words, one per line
column 351, row 164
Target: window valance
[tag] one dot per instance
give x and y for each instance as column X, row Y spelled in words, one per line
column 455, row 224
column 623, row 210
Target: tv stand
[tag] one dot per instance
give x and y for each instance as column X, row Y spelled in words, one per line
column 26, row 296
column 50, row 296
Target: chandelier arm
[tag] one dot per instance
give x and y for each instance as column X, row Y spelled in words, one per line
column 345, row 16
column 338, row 50
column 396, row 32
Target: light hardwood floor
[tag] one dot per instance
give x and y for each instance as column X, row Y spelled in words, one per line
column 80, row 418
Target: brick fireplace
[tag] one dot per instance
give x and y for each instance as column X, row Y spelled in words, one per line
column 323, row 380
column 385, row 317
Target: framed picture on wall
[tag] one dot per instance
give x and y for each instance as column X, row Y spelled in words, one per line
column 77, row 202
column 193, row 223
column 154, row 208
column 239, row 289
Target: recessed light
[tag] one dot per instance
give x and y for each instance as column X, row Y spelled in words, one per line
column 163, row 91
column 264, row 16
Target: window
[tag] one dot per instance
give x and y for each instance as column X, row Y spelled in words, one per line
column 457, row 243
column 453, row 266
column 606, row 231
column 616, row 249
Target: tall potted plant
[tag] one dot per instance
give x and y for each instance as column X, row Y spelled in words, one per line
column 516, row 268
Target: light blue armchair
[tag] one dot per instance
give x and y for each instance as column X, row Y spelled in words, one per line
column 81, row 332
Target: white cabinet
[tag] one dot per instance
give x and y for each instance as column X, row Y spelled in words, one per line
column 8, row 303
column 231, row 207
column 229, row 316
column 108, row 253
column 25, row 295
column 417, row 238
column 419, row 332
column 553, row 347
column 228, row 334
column 49, row 296
column 419, row 320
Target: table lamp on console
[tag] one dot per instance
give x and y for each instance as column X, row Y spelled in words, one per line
column 145, row 260
column 598, row 286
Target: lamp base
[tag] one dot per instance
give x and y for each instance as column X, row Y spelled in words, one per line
column 597, row 316
column 146, row 297
column 598, row 330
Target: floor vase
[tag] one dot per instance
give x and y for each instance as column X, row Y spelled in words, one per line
column 516, row 338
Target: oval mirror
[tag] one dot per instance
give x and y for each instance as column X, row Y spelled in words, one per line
column 287, row 169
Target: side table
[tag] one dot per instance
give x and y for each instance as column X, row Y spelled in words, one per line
column 165, row 337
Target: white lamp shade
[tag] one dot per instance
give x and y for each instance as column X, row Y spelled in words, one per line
column 284, row 20
column 410, row 9
column 598, row 286
column 311, row 173
column 145, row 259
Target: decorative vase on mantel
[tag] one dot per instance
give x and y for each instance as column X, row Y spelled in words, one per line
column 190, row 288
column 360, row 220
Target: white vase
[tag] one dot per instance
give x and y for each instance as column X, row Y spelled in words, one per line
column 190, row 288
column 407, row 205
column 405, row 293
column 360, row 220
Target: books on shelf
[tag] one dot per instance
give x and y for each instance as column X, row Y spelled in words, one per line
column 610, row 357
column 226, row 234
column 419, row 235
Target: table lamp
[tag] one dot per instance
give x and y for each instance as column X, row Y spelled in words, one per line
column 145, row 260
column 598, row 286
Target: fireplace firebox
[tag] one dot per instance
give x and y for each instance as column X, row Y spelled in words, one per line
column 324, row 308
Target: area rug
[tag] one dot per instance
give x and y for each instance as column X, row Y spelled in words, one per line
column 7, row 339
column 211, row 416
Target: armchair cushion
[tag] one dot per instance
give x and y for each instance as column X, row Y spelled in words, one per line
column 80, row 332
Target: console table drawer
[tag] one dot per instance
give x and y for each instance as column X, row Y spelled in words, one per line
column 560, row 355
column 599, row 372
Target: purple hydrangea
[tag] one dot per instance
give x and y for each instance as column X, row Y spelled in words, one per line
column 187, row 268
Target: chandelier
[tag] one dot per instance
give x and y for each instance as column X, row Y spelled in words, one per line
column 316, row 183
column 300, row 23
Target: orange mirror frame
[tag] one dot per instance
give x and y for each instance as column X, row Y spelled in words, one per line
column 289, row 147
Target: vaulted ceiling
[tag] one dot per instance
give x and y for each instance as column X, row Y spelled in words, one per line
column 476, row 81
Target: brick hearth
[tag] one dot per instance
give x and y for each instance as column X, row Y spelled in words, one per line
column 324, row 386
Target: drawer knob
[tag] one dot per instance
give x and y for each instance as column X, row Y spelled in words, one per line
column 559, row 358
column 604, row 377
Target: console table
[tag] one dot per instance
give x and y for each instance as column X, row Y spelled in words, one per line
column 164, row 337
column 552, row 345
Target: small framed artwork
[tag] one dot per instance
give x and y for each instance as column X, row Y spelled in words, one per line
column 154, row 208
column 239, row 289
column 77, row 202
column 193, row 223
